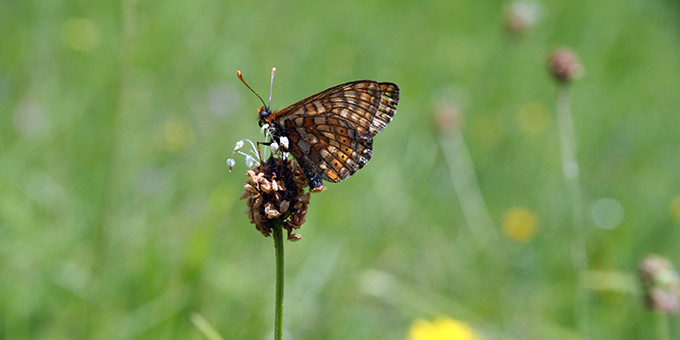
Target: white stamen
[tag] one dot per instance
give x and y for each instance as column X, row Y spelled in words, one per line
column 238, row 145
column 251, row 143
column 250, row 161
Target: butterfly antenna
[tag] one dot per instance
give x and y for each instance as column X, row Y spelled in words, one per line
column 238, row 73
column 271, row 85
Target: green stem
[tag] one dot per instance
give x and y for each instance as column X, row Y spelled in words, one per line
column 662, row 332
column 278, row 304
column 570, row 167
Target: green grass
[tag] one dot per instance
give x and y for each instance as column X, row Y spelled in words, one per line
column 119, row 220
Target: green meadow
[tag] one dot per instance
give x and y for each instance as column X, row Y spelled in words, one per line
column 119, row 218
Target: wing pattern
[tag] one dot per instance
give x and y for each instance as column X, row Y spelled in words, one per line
column 331, row 133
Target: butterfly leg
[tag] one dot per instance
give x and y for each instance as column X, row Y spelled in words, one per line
column 258, row 149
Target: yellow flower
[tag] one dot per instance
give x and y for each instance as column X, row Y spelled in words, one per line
column 442, row 328
column 520, row 224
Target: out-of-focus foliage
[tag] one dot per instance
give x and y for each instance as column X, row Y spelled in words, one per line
column 119, row 219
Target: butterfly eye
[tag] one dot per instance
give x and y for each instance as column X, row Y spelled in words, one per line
column 264, row 112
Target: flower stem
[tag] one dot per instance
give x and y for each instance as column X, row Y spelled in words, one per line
column 467, row 189
column 570, row 167
column 661, row 321
column 278, row 304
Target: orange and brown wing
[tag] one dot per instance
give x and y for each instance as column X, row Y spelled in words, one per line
column 328, row 146
column 331, row 133
column 366, row 104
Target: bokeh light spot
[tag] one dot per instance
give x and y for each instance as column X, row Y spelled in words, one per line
column 607, row 213
column 533, row 118
column 174, row 135
column 80, row 34
column 29, row 118
column 520, row 224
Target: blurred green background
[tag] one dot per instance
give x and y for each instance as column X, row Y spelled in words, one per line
column 119, row 219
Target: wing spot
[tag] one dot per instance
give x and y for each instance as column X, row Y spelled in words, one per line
column 306, row 135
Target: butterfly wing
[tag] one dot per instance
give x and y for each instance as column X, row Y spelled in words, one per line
column 328, row 146
column 331, row 133
column 366, row 103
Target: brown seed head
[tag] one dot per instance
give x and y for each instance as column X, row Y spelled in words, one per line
column 660, row 282
column 521, row 16
column 564, row 65
column 275, row 190
column 447, row 116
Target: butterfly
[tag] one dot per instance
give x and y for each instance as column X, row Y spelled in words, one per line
column 330, row 134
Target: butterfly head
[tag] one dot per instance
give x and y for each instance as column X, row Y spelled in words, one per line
column 263, row 113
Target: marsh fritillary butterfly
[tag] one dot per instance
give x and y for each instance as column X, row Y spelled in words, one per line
column 330, row 134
